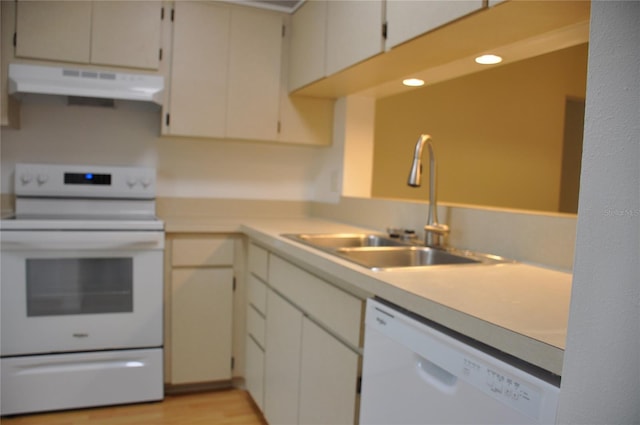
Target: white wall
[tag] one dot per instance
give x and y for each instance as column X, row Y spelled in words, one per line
column 53, row 132
column 601, row 373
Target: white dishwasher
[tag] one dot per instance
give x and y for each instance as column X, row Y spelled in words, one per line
column 414, row 373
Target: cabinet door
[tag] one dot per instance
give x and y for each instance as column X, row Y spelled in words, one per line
column 407, row 19
column 328, row 378
column 282, row 361
column 254, row 372
column 198, row 99
column 308, row 44
column 254, row 74
column 55, row 30
column 201, row 324
column 126, row 33
column 354, row 32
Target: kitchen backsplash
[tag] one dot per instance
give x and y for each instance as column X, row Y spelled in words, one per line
column 129, row 134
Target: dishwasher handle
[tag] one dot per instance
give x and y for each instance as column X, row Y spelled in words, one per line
column 436, row 376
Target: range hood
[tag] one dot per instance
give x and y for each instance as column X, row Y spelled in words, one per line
column 69, row 81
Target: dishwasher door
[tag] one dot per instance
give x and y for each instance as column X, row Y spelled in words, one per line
column 415, row 374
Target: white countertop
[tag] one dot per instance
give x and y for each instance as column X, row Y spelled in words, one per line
column 517, row 308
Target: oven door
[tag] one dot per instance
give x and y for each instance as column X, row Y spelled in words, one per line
column 70, row 291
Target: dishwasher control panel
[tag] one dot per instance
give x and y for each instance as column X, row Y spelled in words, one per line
column 502, row 386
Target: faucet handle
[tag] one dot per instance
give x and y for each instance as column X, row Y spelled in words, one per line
column 395, row 232
column 435, row 235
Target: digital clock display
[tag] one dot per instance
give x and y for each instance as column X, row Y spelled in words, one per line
column 87, row 178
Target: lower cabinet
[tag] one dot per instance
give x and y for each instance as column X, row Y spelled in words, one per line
column 256, row 323
column 199, row 314
column 305, row 371
column 282, row 361
column 201, row 311
column 328, row 378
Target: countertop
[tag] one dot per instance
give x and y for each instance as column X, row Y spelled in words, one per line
column 517, row 308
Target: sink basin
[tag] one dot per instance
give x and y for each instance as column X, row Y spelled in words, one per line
column 402, row 256
column 379, row 252
column 344, row 240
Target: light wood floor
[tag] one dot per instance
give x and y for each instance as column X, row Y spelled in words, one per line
column 208, row 408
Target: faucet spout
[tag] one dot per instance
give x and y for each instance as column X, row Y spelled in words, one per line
column 435, row 232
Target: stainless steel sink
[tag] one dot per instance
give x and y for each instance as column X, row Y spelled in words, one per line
column 344, row 240
column 379, row 252
column 402, row 256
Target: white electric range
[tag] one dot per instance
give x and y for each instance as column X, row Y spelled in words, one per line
column 81, row 289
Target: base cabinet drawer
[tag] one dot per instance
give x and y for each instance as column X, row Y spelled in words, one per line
column 336, row 309
column 256, row 325
column 258, row 261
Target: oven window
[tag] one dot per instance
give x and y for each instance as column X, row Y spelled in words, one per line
column 63, row 286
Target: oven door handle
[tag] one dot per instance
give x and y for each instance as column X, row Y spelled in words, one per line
column 70, row 240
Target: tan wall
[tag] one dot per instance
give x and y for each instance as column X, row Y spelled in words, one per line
column 497, row 133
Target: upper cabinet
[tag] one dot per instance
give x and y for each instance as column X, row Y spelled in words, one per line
column 308, row 32
column 199, row 69
column 354, row 32
column 126, row 33
column 255, row 51
column 113, row 33
column 407, row 19
column 436, row 38
column 329, row 36
column 227, row 78
column 225, row 72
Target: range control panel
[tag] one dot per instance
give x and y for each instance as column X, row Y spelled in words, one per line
column 85, row 181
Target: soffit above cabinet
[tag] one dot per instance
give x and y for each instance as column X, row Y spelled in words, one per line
column 524, row 29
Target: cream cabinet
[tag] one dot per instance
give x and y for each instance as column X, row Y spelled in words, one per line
column 225, row 72
column 328, row 378
column 354, row 32
column 256, row 323
column 228, row 80
column 255, row 50
column 303, row 120
column 308, row 32
column 407, row 19
column 199, row 69
column 310, row 376
column 282, row 361
column 198, row 340
column 9, row 106
column 330, row 36
column 114, row 33
column 309, row 354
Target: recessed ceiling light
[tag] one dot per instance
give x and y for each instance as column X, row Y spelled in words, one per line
column 488, row 59
column 413, row 82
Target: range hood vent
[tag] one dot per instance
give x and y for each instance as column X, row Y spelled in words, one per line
column 64, row 81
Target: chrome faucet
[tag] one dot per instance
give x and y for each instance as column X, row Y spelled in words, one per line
column 435, row 233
